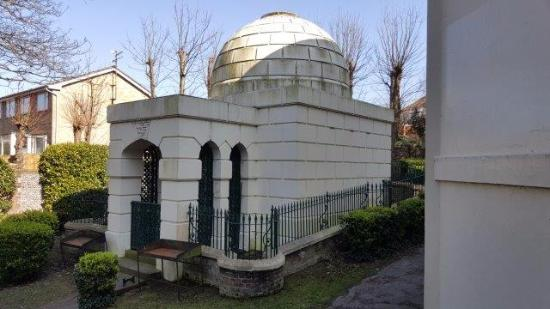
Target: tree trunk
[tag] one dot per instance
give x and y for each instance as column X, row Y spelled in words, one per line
column 151, row 76
column 395, row 105
column 182, row 60
column 211, row 62
column 77, row 134
column 19, row 142
column 88, row 134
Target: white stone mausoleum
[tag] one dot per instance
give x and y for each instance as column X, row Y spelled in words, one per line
column 279, row 125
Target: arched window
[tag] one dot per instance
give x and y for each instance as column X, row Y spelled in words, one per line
column 206, row 195
column 150, row 178
column 235, row 198
column 235, row 182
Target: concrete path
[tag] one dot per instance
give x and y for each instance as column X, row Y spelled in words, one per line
column 70, row 302
column 398, row 285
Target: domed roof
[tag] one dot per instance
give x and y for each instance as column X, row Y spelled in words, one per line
column 278, row 50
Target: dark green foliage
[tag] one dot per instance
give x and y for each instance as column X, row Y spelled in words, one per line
column 4, row 206
column 371, row 232
column 24, row 248
column 69, row 172
column 85, row 204
column 38, row 216
column 7, row 181
column 411, row 220
column 376, row 232
column 414, row 163
column 418, row 122
column 411, row 169
column 95, row 278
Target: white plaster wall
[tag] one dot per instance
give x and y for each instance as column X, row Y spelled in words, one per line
column 488, row 155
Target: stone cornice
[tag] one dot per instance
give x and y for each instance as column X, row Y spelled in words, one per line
column 234, row 112
column 528, row 170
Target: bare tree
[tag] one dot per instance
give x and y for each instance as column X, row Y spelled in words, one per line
column 85, row 105
column 150, row 52
column 210, row 61
column 350, row 35
column 194, row 39
column 397, row 55
column 26, row 119
column 32, row 49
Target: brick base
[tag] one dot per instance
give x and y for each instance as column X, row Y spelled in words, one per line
column 242, row 284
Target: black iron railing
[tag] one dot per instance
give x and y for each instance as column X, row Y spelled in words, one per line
column 403, row 172
column 258, row 236
column 242, row 236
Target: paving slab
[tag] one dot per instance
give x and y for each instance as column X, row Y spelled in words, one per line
column 398, row 285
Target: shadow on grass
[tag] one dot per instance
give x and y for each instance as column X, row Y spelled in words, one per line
column 314, row 287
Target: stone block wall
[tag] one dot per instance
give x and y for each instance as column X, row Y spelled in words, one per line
column 297, row 142
column 242, row 284
column 28, row 195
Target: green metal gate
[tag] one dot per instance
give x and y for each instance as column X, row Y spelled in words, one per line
column 145, row 226
column 206, row 196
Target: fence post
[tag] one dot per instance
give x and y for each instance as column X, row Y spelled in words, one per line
column 226, row 235
column 275, row 229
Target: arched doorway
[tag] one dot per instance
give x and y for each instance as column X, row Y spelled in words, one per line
column 235, row 198
column 206, row 195
column 146, row 212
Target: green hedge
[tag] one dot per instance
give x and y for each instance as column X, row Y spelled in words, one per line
column 376, row 232
column 410, row 214
column 4, row 206
column 372, row 230
column 413, row 163
column 95, row 278
column 38, row 216
column 24, row 248
column 7, row 181
column 70, row 173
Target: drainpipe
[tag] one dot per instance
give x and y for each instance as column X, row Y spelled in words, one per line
column 55, row 113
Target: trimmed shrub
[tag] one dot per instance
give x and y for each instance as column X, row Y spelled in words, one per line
column 24, row 248
column 4, row 206
column 410, row 214
column 7, row 181
column 95, row 278
column 38, row 216
column 411, row 169
column 68, row 170
column 370, row 233
column 84, row 204
column 376, row 232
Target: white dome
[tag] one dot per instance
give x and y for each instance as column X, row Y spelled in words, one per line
column 278, row 50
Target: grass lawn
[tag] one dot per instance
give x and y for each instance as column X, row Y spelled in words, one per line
column 47, row 289
column 314, row 287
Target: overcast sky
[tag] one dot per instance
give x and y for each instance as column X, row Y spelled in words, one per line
column 107, row 24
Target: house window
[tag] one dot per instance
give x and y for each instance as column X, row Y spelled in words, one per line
column 25, row 105
column 36, row 143
column 5, row 145
column 42, row 102
column 10, row 108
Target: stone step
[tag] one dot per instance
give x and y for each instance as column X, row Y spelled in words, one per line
column 130, row 267
column 125, row 282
